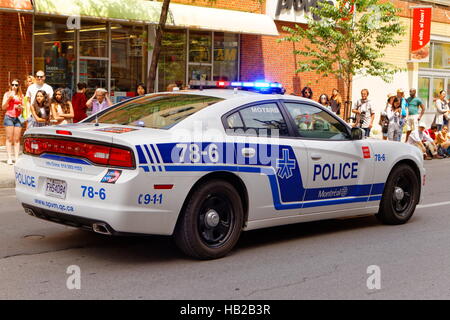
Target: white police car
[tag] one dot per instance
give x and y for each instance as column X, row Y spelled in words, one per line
column 205, row 165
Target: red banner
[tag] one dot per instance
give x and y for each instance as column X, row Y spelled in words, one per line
column 420, row 37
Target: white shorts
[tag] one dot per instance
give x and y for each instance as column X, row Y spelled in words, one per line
column 412, row 122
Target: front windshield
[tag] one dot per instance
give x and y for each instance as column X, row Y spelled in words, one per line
column 159, row 111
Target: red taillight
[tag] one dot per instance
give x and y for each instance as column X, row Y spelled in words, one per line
column 64, row 132
column 96, row 153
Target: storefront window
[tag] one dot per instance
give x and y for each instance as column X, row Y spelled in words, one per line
column 172, row 60
column 54, row 52
column 438, row 86
column 200, row 47
column 94, row 73
column 200, row 60
column 424, row 89
column 441, row 56
column 128, row 60
column 226, row 50
column 198, row 72
column 93, row 40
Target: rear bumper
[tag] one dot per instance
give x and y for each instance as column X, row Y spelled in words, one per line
column 71, row 220
column 122, row 210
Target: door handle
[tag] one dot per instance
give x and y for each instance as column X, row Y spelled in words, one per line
column 316, row 156
column 248, row 152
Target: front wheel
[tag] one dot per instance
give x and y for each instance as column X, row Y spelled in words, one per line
column 211, row 222
column 400, row 196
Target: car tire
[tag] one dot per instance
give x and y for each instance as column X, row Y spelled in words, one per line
column 211, row 222
column 400, row 197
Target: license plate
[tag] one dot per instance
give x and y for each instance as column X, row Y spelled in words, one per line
column 55, row 188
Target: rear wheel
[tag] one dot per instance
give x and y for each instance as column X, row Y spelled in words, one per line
column 211, row 222
column 400, row 196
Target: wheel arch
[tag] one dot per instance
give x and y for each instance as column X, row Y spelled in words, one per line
column 233, row 179
column 414, row 166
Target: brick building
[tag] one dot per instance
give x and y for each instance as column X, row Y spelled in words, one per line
column 104, row 43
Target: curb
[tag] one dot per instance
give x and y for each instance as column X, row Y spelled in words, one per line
column 7, row 184
column 7, row 179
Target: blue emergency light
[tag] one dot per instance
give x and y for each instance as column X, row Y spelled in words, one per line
column 257, row 86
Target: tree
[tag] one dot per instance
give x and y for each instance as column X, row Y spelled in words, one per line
column 342, row 43
column 157, row 46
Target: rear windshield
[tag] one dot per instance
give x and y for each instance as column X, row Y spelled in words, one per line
column 160, row 111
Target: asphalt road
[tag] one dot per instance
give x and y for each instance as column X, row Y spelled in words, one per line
column 319, row 260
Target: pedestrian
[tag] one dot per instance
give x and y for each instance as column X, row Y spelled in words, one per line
column 443, row 140
column 38, row 85
column 403, row 104
column 61, row 108
column 140, row 89
column 13, row 121
column 336, row 101
column 413, row 118
column 324, row 101
column 99, row 101
column 29, row 80
column 424, row 142
column 307, row 93
column 364, row 113
column 40, row 110
column 34, row 88
column 79, row 100
column 393, row 115
column 384, row 120
column 442, row 110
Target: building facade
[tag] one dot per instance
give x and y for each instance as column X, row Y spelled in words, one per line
column 108, row 44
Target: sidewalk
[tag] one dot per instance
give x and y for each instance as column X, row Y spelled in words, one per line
column 6, row 171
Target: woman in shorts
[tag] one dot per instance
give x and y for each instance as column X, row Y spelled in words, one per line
column 13, row 122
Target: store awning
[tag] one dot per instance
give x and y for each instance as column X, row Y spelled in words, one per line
column 184, row 16
column 122, row 10
column 205, row 18
column 16, row 6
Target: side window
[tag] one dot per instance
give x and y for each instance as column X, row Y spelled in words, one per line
column 260, row 120
column 313, row 122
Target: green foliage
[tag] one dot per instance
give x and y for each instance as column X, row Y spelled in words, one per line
column 344, row 45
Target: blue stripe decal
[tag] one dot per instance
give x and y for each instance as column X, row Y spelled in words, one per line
column 156, row 154
column 378, row 188
column 148, row 153
column 270, row 172
column 375, row 198
column 146, row 168
column 157, row 157
column 141, row 155
column 65, row 159
column 278, row 162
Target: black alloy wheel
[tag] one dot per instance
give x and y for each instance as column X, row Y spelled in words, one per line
column 400, row 197
column 211, row 222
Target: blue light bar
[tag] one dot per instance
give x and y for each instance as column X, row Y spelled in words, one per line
column 258, row 86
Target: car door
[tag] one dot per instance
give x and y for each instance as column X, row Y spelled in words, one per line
column 273, row 171
column 341, row 170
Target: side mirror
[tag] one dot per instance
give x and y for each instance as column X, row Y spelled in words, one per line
column 357, row 134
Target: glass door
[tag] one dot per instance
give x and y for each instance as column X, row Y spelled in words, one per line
column 94, row 56
column 94, row 72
